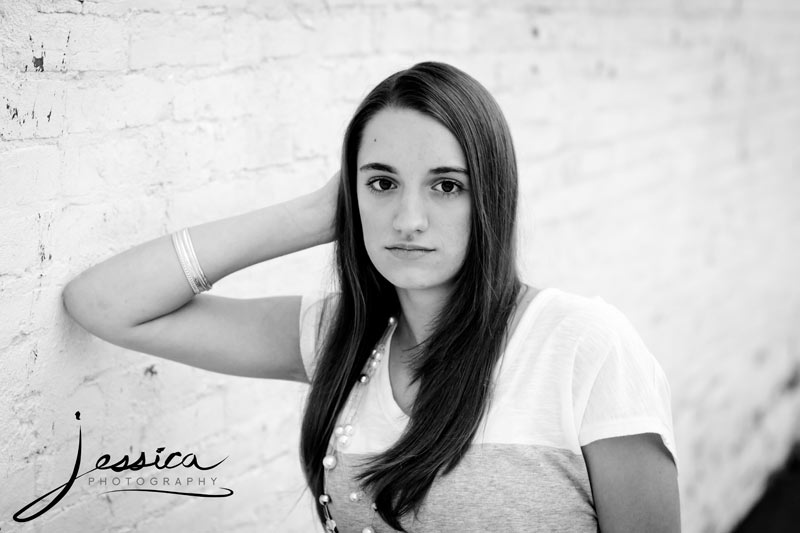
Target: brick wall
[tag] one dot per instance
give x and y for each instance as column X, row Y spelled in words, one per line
column 657, row 145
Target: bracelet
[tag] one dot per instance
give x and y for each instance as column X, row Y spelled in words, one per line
column 189, row 263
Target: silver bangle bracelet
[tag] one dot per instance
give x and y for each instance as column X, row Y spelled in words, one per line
column 199, row 275
column 182, row 242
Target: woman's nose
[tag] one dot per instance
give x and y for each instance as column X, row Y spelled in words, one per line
column 411, row 216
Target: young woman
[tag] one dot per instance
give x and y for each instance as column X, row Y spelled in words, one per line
column 445, row 394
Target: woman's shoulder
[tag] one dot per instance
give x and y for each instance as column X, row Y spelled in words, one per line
column 591, row 323
column 597, row 342
column 574, row 310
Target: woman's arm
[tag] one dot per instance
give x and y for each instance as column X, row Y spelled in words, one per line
column 140, row 299
column 634, row 484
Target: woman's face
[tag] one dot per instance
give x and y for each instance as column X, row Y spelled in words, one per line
column 414, row 199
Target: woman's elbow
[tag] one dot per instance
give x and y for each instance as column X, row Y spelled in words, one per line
column 79, row 303
column 71, row 300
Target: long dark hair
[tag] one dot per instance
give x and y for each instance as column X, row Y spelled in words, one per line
column 454, row 365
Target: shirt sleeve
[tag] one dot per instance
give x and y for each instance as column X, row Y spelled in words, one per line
column 629, row 393
column 313, row 306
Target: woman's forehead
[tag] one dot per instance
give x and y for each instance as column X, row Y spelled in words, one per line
column 409, row 139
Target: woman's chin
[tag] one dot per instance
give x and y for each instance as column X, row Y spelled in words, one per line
column 420, row 283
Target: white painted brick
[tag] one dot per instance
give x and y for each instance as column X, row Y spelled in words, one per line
column 351, row 79
column 175, row 40
column 773, row 7
column 453, row 31
column 17, row 490
column 402, row 31
column 207, row 200
column 132, row 100
column 32, row 109
column 30, row 174
column 308, row 10
column 395, row 3
column 249, row 40
column 191, row 150
column 475, row 5
column 269, row 10
column 94, row 513
column 47, row 34
column 192, row 514
column 337, row 4
column 253, row 143
column 122, row 7
column 15, row 327
column 217, row 150
column 59, row 6
column 116, row 8
column 116, row 223
column 338, row 35
column 190, row 425
column 220, row 5
column 292, row 508
column 502, row 29
column 220, row 96
column 287, row 89
column 242, row 40
column 282, row 38
column 99, row 161
column 97, row 43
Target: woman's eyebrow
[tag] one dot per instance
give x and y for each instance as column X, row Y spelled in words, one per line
column 378, row 166
column 448, row 170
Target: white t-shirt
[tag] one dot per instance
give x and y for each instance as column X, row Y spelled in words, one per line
column 574, row 371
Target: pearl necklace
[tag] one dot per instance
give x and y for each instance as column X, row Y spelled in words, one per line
column 343, row 433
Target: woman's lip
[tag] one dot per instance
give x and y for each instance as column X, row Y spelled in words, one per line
column 410, row 248
column 409, row 253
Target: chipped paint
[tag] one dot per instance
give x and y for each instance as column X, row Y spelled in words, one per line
column 150, row 371
column 38, row 55
column 64, row 55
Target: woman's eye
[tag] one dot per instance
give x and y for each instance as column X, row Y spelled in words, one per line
column 449, row 187
column 380, row 184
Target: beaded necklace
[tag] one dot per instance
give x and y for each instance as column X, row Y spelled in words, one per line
column 342, row 433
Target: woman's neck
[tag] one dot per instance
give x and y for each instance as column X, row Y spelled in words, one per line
column 419, row 309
